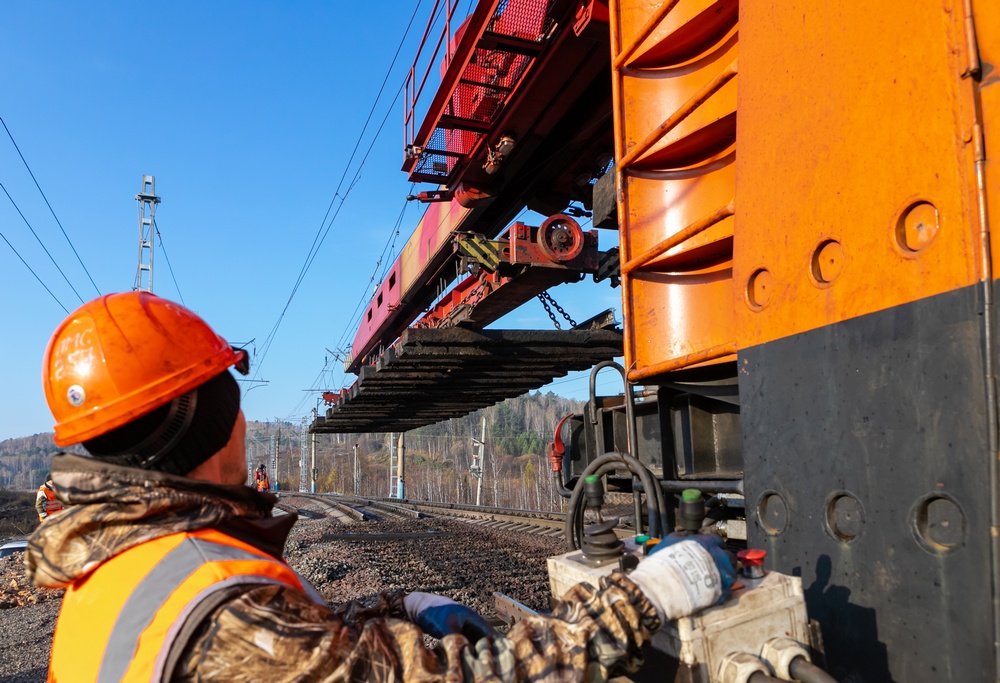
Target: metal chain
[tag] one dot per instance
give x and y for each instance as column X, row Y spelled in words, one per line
column 547, row 299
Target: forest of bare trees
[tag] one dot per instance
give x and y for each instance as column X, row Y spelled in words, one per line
column 438, row 458
column 25, row 461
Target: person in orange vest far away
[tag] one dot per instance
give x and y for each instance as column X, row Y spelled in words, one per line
column 260, row 476
column 46, row 502
column 173, row 567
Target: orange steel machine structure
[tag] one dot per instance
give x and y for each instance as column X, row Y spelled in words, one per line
column 803, row 193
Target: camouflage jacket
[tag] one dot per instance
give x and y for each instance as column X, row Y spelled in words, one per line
column 276, row 633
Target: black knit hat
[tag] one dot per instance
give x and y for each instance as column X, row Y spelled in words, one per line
column 179, row 436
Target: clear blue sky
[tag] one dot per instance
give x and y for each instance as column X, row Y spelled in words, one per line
column 247, row 114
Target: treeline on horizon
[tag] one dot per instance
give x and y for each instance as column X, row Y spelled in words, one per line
column 438, row 463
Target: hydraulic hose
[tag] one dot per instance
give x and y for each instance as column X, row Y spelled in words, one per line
column 574, row 519
column 661, row 505
column 761, row 677
column 561, row 486
column 633, row 433
column 600, row 466
column 805, row 671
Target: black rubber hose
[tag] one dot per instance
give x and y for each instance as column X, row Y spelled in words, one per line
column 609, row 462
column 661, row 504
column 633, row 433
column 761, row 677
column 656, row 505
column 807, row 672
column 561, row 486
column 572, row 529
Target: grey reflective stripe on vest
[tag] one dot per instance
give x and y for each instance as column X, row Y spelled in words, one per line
column 152, row 592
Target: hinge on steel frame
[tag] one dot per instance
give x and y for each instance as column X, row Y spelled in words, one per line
column 979, row 143
column 973, row 65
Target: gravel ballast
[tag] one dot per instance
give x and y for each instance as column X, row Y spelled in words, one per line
column 464, row 562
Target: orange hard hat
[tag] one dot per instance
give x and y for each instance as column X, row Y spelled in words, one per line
column 121, row 356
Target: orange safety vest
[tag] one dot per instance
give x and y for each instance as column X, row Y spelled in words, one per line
column 52, row 503
column 119, row 622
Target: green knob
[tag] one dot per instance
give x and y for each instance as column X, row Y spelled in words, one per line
column 691, row 495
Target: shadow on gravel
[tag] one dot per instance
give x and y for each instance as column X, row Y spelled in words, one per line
column 36, row 675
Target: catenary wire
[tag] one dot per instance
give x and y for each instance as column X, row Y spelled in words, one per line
column 294, row 412
column 363, row 300
column 320, row 233
column 65, row 310
column 51, row 210
column 389, row 248
column 169, row 267
column 40, row 243
column 354, row 181
column 352, row 323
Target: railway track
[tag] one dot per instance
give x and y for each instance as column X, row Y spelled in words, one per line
column 535, row 522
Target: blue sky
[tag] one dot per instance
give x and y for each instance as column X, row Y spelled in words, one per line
column 246, row 114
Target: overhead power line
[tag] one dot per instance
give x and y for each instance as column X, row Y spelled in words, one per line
column 321, row 234
column 167, row 259
column 42, row 244
column 389, row 248
column 34, row 273
column 51, row 210
column 325, row 376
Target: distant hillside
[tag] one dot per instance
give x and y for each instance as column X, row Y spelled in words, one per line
column 25, row 461
column 438, row 457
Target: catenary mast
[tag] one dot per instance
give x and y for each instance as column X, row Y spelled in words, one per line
column 147, row 211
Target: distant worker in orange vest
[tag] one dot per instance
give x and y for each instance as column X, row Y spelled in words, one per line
column 260, row 476
column 173, row 567
column 46, row 502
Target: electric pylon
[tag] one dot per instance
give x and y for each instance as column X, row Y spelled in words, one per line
column 147, row 211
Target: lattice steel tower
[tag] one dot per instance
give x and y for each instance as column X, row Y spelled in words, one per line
column 147, row 224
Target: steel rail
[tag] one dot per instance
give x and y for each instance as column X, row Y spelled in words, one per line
column 502, row 519
column 341, row 511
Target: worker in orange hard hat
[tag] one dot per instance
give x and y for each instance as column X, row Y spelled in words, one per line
column 173, row 569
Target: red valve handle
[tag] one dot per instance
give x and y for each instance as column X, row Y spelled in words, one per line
column 752, row 557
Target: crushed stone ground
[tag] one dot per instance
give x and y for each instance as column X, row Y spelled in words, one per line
column 464, row 562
